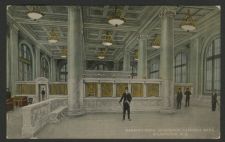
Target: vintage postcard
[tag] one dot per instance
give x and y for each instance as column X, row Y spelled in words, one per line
column 113, row 72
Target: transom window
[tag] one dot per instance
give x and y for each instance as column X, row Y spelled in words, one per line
column 63, row 73
column 25, row 63
column 44, row 67
column 154, row 70
column 181, row 68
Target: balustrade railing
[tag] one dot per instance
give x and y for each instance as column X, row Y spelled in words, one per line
column 36, row 116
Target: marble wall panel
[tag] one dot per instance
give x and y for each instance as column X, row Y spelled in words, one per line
column 106, row 89
column 25, row 89
column 137, row 89
column 152, row 90
column 120, row 89
column 91, row 89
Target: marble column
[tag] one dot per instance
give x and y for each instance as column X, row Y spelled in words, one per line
column 74, row 61
column 55, row 70
column 144, row 89
column 38, row 67
column 194, row 55
column 142, row 57
column 8, row 61
column 129, row 87
column 126, row 60
column 167, row 59
column 99, row 94
column 13, row 58
column 114, row 89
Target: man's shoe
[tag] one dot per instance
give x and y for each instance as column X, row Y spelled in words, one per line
column 129, row 119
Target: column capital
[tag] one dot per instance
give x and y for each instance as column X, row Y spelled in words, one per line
column 167, row 11
column 74, row 7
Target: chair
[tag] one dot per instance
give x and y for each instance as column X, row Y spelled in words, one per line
column 30, row 101
column 20, row 101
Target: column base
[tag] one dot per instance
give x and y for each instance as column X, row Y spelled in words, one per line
column 168, row 110
column 76, row 112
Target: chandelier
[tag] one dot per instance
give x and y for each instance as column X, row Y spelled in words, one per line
column 53, row 37
column 188, row 23
column 34, row 13
column 107, row 40
column 101, row 54
column 64, row 53
column 156, row 42
column 136, row 55
column 218, row 6
column 116, row 19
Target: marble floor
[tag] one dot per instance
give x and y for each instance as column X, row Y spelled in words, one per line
column 193, row 122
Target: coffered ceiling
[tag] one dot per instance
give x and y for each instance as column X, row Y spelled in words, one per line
column 139, row 19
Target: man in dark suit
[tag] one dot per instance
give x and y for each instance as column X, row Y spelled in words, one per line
column 43, row 94
column 214, row 101
column 187, row 93
column 126, row 98
column 179, row 98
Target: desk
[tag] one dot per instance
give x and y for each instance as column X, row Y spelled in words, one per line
column 20, row 101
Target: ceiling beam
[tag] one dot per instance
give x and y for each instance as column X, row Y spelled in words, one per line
column 201, row 7
column 45, row 13
column 101, row 46
column 54, row 44
column 109, row 27
column 25, row 31
column 176, row 31
column 150, row 24
column 95, row 58
column 41, row 22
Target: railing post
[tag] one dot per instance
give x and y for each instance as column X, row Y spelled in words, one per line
column 99, row 89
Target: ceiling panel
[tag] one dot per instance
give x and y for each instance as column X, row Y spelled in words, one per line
column 96, row 24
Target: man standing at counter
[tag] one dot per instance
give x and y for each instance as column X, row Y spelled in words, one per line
column 126, row 98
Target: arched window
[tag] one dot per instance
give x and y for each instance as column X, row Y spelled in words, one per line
column 25, row 63
column 63, row 73
column 181, row 68
column 44, row 67
column 154, row 70
column 212, row 67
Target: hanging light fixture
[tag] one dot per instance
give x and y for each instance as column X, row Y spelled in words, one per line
column 53, row 37
column 156, row 42
column 34, row 13
column 116, row 19
column 188, row 23
column 101, row 54
column 64, row 53
column 107, row 39
column 218, row 6
column 136, row 55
